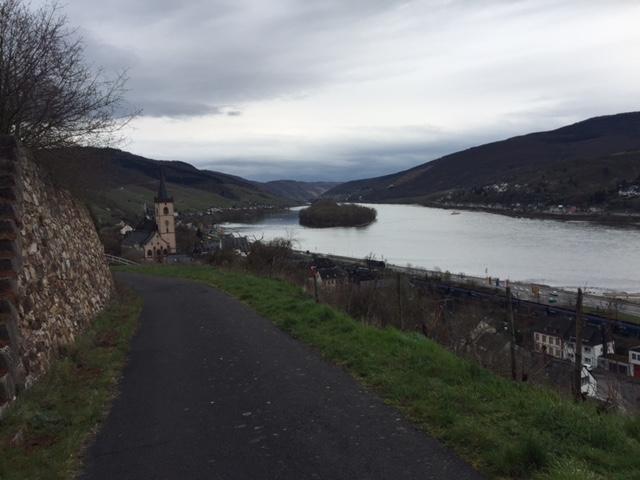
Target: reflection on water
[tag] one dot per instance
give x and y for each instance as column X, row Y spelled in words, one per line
column 558, row 253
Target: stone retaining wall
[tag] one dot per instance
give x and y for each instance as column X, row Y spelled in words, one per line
column 53, row 274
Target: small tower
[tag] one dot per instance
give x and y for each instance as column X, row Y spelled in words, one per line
column 165, row 218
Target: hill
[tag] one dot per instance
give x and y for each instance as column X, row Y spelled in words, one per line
column 302, row 192
column 591, row 164
column 116, row 184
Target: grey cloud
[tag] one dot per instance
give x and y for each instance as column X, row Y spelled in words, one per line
column 185, row 57
column 346, row 161
column 202, row 53
column 172, row 108
column 215, row 57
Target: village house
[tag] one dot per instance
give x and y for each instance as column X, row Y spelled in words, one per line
column 217, row 240
column 155, row 237
column 362, row 276
column 124, row 228
column 229, row 241
column 588, row 383
column 550, row 338
column 557, row 339
column 634, row 361
column 616, row 364
column 330, row 277
column 322, row 262
column 592, row 345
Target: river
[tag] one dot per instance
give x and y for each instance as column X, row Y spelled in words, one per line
column 558, row 253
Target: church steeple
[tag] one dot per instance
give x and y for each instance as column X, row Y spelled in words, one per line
column 163, row 195
column 165, row 216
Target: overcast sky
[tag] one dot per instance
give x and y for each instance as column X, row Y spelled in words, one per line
column 343, row 89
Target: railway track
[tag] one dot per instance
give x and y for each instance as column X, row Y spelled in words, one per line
column 417, row 277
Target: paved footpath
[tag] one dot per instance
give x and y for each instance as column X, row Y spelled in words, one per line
column 214, row 391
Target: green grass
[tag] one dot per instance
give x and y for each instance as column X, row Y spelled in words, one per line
column 507, row 430
column 111, row 206
column 619, row 316
column 132, row 197
column 45, row 430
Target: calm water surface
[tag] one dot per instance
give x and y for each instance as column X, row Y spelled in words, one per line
column 566, row 254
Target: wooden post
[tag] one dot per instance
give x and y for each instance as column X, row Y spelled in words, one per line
column 370, row 299
column 315, row 285
column 447, row 327
column 399, row 294
column 512, row 328
column 577, row 379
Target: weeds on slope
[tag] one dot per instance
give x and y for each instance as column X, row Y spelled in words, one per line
column 46, row 429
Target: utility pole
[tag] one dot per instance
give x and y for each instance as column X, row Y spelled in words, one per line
column 514, row 369
column 577, row 379
column 314, row 273
column 370, row 299
column 399, row 294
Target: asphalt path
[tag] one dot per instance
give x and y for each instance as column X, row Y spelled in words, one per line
column 212, row 390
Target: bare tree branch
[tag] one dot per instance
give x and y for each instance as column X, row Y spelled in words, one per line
column 49, row 96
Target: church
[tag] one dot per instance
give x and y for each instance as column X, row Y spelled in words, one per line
column 155, row 237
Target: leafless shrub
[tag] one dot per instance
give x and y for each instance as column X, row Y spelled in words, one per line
column 269, row 257
column 224, row 258
column 49, row 96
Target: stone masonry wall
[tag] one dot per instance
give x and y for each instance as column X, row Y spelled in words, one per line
column 53, row 274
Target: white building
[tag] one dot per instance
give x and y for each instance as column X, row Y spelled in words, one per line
column 634, row 361
column 588, row 383
column 592, row 346
column 550, row 338
column 126, row 229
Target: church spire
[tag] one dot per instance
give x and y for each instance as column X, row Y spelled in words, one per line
column 163, row 196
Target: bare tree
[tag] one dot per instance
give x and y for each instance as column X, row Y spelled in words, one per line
column 49, row 95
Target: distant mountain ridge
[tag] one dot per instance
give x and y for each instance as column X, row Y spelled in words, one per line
column 116, row 184
column 585, row 164
column 297, row 191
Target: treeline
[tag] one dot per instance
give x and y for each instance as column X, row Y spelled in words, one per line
column 328, row 213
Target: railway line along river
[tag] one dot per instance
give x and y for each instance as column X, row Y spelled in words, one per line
column 564, row 254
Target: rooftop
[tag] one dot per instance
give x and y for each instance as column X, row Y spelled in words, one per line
column 590, row 335
column 557, row 326
column 136, row 238
column 163, row 195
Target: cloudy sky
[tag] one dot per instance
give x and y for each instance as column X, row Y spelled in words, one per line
column 343, row 89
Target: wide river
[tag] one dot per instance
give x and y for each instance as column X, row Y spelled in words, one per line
column 563, row 254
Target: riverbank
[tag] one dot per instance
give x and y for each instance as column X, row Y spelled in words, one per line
column 608, row 304
column 560, row 254
column 610, row 219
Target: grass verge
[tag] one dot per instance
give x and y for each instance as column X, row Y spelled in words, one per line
column 625, row 317
column 506, row 429
column 45, row 431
